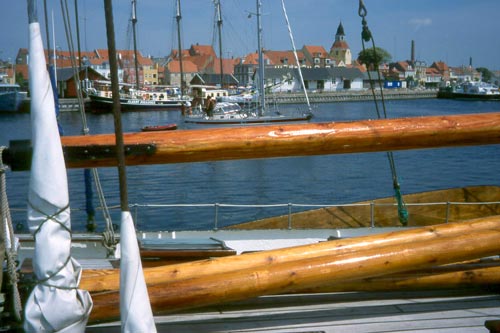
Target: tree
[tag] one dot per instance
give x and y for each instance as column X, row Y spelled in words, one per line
column 485, row 73
column 372, row 58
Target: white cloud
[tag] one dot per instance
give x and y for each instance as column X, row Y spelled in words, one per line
column 420, row 22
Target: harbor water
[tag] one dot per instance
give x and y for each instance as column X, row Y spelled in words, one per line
column 311, row 180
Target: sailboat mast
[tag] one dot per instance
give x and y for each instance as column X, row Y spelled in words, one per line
column 178, row 18
column 262, row 93
column 113, row 63
column 78, row 37
column 219, row 26
column 134, row 21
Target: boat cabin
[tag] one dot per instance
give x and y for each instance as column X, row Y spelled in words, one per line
column 206, row 91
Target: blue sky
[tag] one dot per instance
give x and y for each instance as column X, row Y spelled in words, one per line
column 446, row 30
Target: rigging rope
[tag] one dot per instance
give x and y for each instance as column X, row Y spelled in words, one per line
column 109, row 239
column 7, row 233
column 366, row 36
column 295, row 54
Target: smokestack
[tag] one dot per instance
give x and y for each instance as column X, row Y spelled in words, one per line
column 413, row 52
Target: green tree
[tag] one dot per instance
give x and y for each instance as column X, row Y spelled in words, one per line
column 21, row 81
column 374, row 57
column 485, row 73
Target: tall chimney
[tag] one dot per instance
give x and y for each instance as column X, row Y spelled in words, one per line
column 413, row 52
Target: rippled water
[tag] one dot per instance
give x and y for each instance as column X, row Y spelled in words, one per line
column 332, row 179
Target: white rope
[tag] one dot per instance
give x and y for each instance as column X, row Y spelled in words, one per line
column 295, row 54
column 10, row 242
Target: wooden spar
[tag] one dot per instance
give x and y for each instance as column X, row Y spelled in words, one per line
column 443, row 277
column 216, row 144
column 169, row 273
column 306, row 273
column 285, row 140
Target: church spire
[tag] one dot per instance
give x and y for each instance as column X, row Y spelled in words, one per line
column 340, row 51
column 340, row 35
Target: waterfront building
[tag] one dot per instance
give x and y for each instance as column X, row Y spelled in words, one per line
column 287, row 79
column 317, row 56
column 173, row 72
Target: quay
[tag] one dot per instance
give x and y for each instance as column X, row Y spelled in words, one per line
column 349, row 96
column 71, row 104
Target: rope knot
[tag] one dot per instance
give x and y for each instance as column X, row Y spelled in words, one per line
column 366, row 34
column 362, row 12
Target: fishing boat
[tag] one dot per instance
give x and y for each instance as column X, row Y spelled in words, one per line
column 153, row 128
column 283, row 280
column 255, row 113
column 11, row 97
column 472, row 91
column 131, row 99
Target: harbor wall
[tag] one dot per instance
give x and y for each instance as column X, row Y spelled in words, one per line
column 348, row 96
column 71, row 104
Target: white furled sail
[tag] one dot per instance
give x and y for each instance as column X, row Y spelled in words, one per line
column 55, row 304
column 135, row 308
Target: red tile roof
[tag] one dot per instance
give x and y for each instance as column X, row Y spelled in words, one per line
column 316, row 50
column 340, row 44
column 187, row 66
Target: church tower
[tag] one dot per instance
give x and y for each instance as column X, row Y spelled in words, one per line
column 340, row 51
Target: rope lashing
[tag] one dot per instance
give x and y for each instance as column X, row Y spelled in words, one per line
column 52, row 218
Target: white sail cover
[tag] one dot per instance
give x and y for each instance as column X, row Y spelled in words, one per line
column 56, row 304
column 135, row 308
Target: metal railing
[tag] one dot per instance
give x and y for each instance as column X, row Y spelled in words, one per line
column 373, row 206
column 136, row 208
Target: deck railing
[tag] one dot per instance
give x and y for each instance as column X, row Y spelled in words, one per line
column 217, row 207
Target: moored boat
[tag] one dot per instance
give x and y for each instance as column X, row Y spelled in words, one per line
column 11, row 97
column 101, row 99
column 472, row 91
column 256, row 111
column 154, row 128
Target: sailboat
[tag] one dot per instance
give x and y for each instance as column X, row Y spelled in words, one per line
column 237, row 115
column 134, row 97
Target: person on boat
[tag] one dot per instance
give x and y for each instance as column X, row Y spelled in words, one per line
column 210, row 105
column 185, row 109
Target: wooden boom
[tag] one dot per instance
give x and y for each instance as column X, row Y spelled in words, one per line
column 109, row 280
column 280, row 141
column 306, row 273
column 459, row 276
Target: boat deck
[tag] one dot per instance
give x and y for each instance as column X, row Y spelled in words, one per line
column 424, row 311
